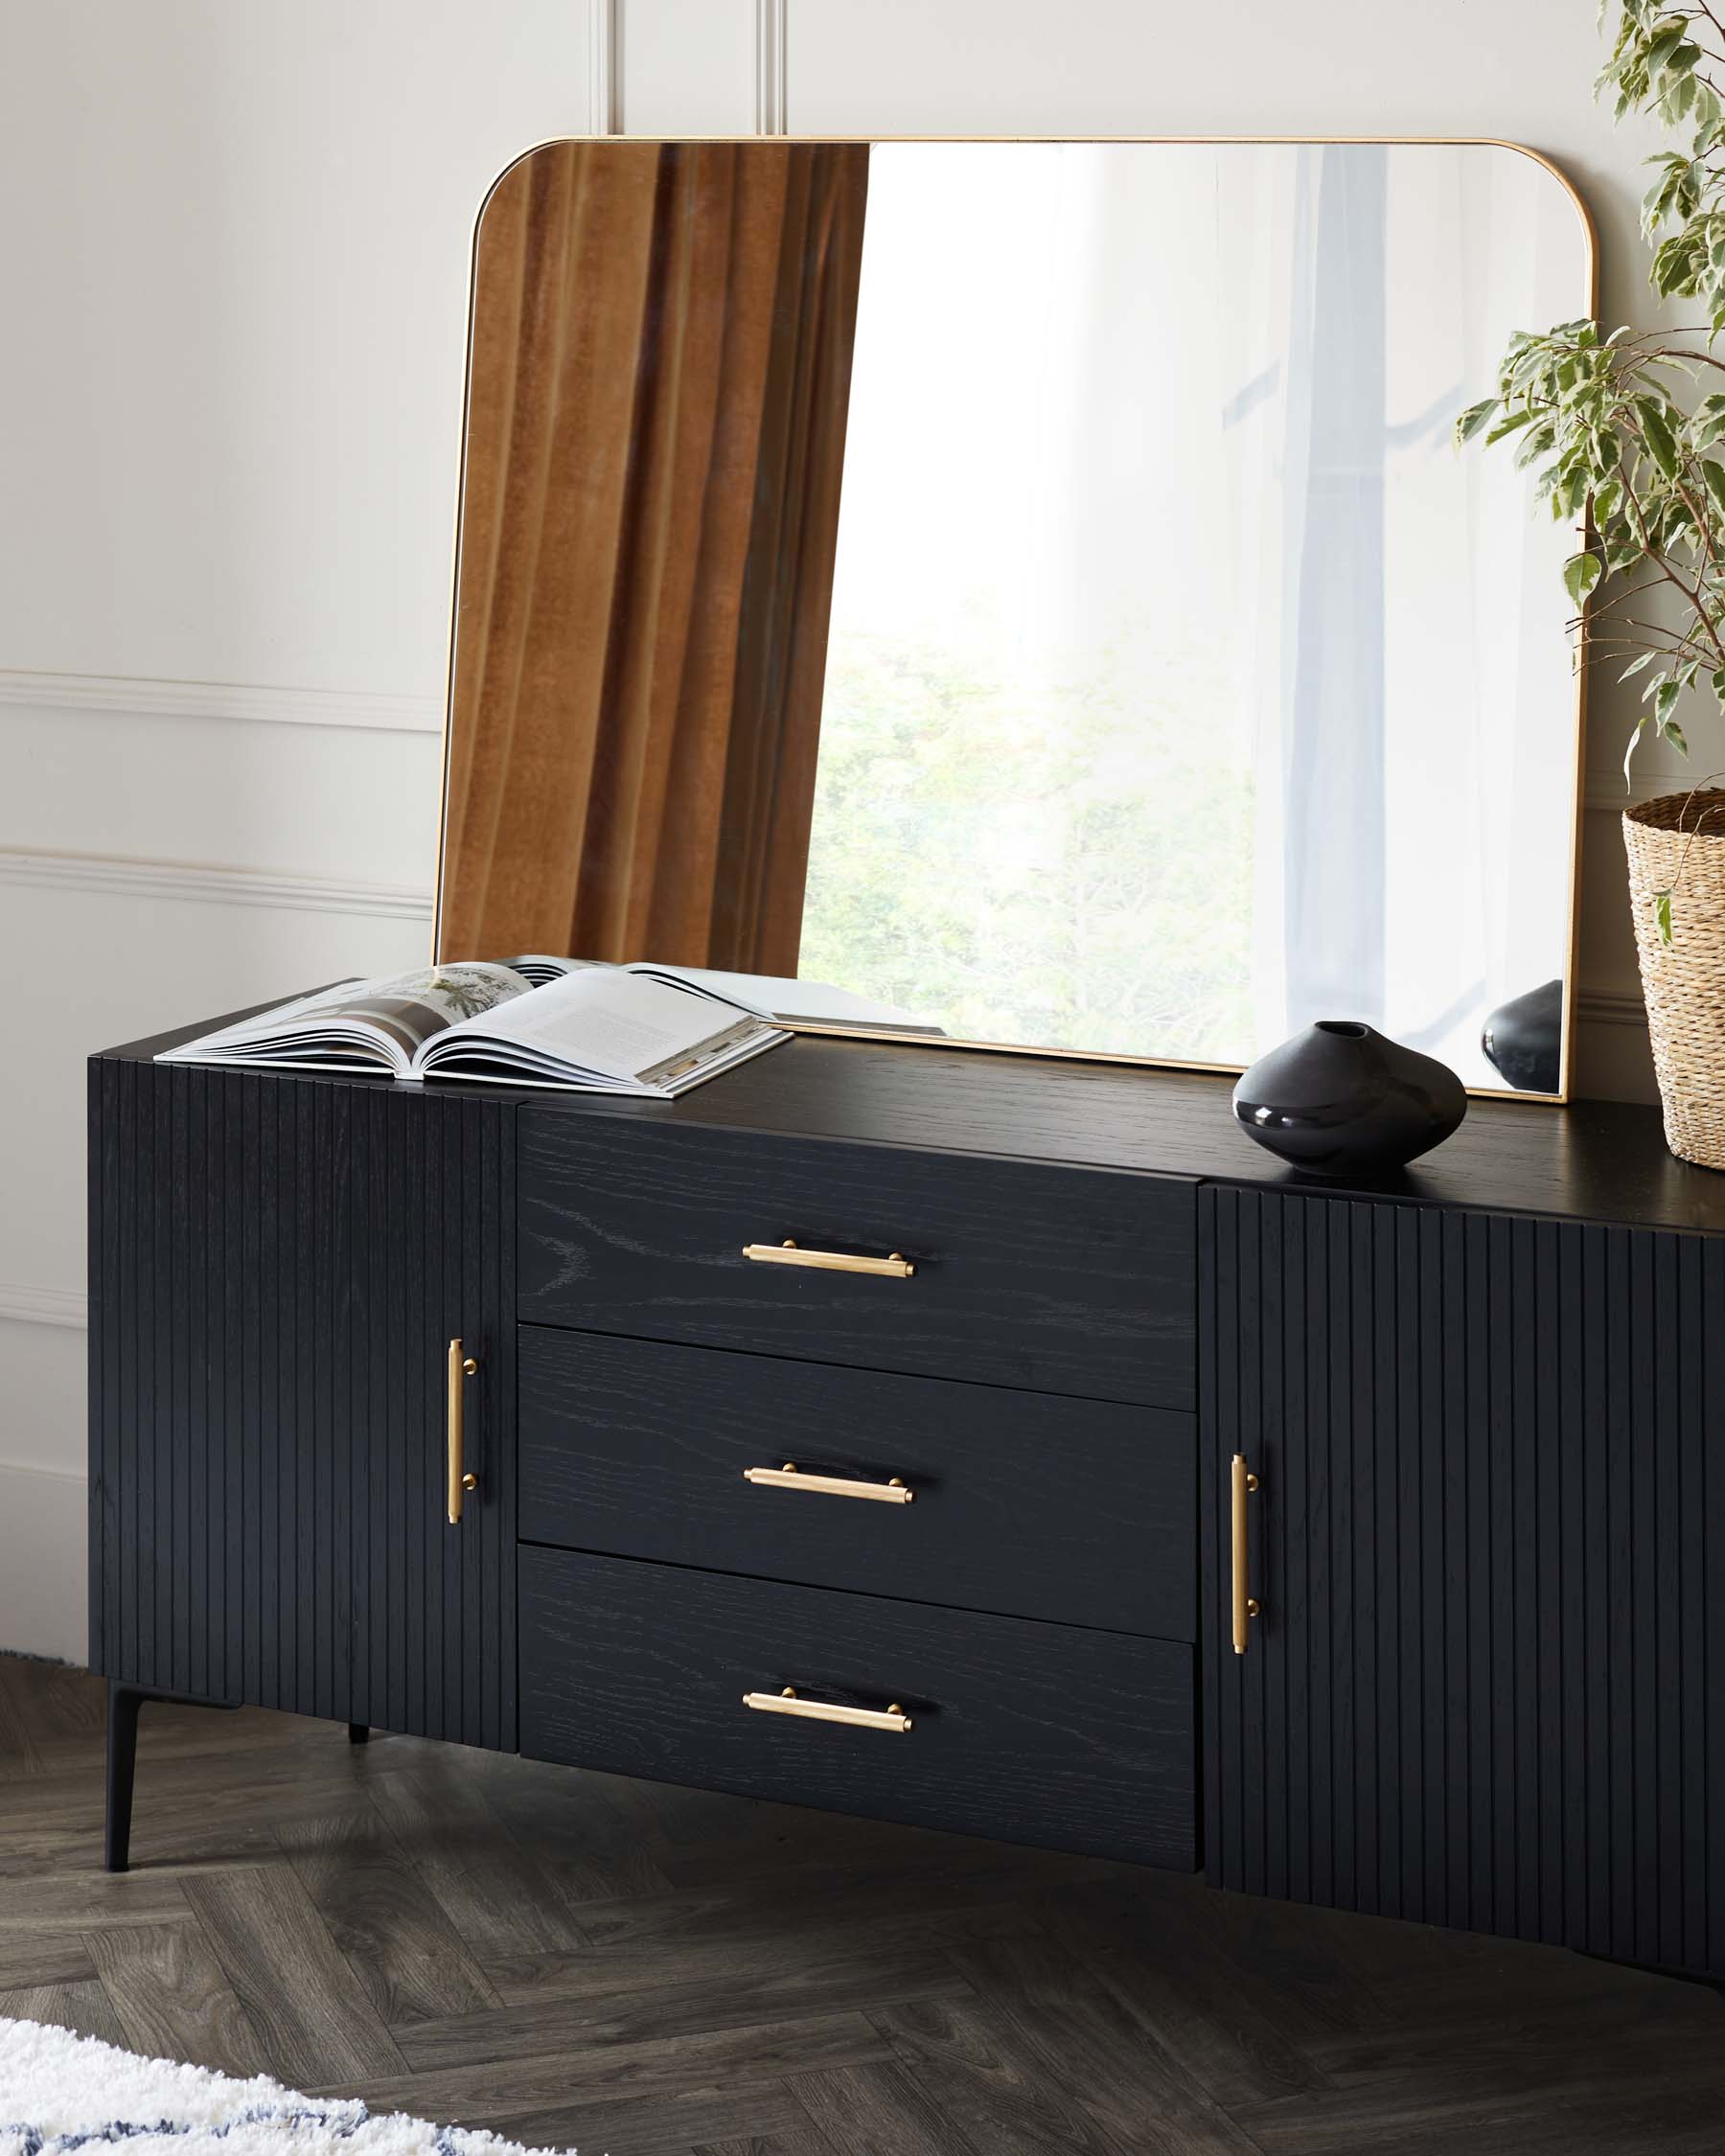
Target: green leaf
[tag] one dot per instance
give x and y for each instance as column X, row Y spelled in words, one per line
column 1661, row 913
column 1473, row 419
column 1656, row 430
column 1634, row 734
column 1581, row 573
column 1714, row 475
column 1718, row 681
column 1674, row 264
column 1635, row 666
column 1665, row 702
column 1511, row 426
column 1673, row 733
column 1534, row 446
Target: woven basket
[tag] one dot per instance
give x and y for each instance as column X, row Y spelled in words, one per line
column 1677, row 844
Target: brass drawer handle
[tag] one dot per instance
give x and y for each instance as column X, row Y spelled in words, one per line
column 790, row 1476
column 893, row 1267
column 1245, row 1606
column 786, row 1701
column 461, row 1368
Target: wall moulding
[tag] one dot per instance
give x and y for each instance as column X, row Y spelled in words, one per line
column 144, row 697
column 23, row 1304
column 770, row 95
column 122, row 876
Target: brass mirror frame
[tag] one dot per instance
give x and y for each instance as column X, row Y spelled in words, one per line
column 1106, row 1057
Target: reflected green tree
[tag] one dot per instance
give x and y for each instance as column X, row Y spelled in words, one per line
column 1064, row 862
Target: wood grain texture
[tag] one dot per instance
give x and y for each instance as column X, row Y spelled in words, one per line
column 798, row 2141
column 494, row 1890
column 1058, row 1280
column 29, row 1960
column 277, row 1268
column 877, row 2111
column 1089, row 2000
column 678, row 2004
column 969, row 2060
column 1484, row 1691
column 1605, row 1162
column 305, row 2000
column 57, row 1899
column 762, row 2052
column 1044, row 1733
column 171, row 1998
column 85, row 2008
column 385, row 1922
column 1080, row 1511
column 1130, row 2063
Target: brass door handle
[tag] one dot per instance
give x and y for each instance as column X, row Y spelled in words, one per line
column 786, row 1701
column 461, row 1368
column 893, row 1267
column 1245, row 1606
column 790, row 1476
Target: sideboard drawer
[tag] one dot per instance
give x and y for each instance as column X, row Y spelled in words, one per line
column 1028, row 1732
column 1080, row 1511
column 1059, row 1279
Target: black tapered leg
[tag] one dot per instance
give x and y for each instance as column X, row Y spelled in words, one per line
column 358, row 1732
column 123, row 1702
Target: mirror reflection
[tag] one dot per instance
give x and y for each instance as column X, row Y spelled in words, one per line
column 1030, row 585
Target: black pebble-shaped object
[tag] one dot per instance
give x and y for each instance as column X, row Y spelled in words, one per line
column 1523, row 1039
column 1339, row 1100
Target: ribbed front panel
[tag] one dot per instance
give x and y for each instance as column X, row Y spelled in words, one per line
column 277, row 1267
column 1489, row 1686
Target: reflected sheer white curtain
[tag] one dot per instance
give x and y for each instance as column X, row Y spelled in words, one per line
column 1411, row 724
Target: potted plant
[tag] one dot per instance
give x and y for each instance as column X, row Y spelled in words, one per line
column 1627, row 433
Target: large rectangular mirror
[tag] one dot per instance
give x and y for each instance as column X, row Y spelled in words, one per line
column 1029, row 584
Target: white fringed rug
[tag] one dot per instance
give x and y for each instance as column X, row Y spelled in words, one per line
column 60, row 2093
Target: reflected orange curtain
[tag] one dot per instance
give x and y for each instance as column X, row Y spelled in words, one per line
column 659, row 376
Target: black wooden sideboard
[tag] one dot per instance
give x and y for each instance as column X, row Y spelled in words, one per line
column 997, row 1444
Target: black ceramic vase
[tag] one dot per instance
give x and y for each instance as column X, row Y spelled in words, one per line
column 1523, row 1039
column 1340, row 1100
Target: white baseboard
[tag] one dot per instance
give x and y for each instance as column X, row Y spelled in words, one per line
column 43, row 1563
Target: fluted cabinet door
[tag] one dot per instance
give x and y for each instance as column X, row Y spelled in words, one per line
column 277, row 1268
column 1486, row 1687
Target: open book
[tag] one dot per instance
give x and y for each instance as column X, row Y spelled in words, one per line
column 568, row 1022
column 598, row 1029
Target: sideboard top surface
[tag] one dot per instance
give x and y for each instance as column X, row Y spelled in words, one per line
column 1595, row 1160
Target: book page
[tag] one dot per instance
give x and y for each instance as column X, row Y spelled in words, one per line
column 618, row 1024
column 401, row 1012
column 361, row 1021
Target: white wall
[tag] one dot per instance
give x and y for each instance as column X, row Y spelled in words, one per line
column 235, row 255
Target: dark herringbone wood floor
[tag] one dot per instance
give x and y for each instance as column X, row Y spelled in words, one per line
column 649, row 1971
